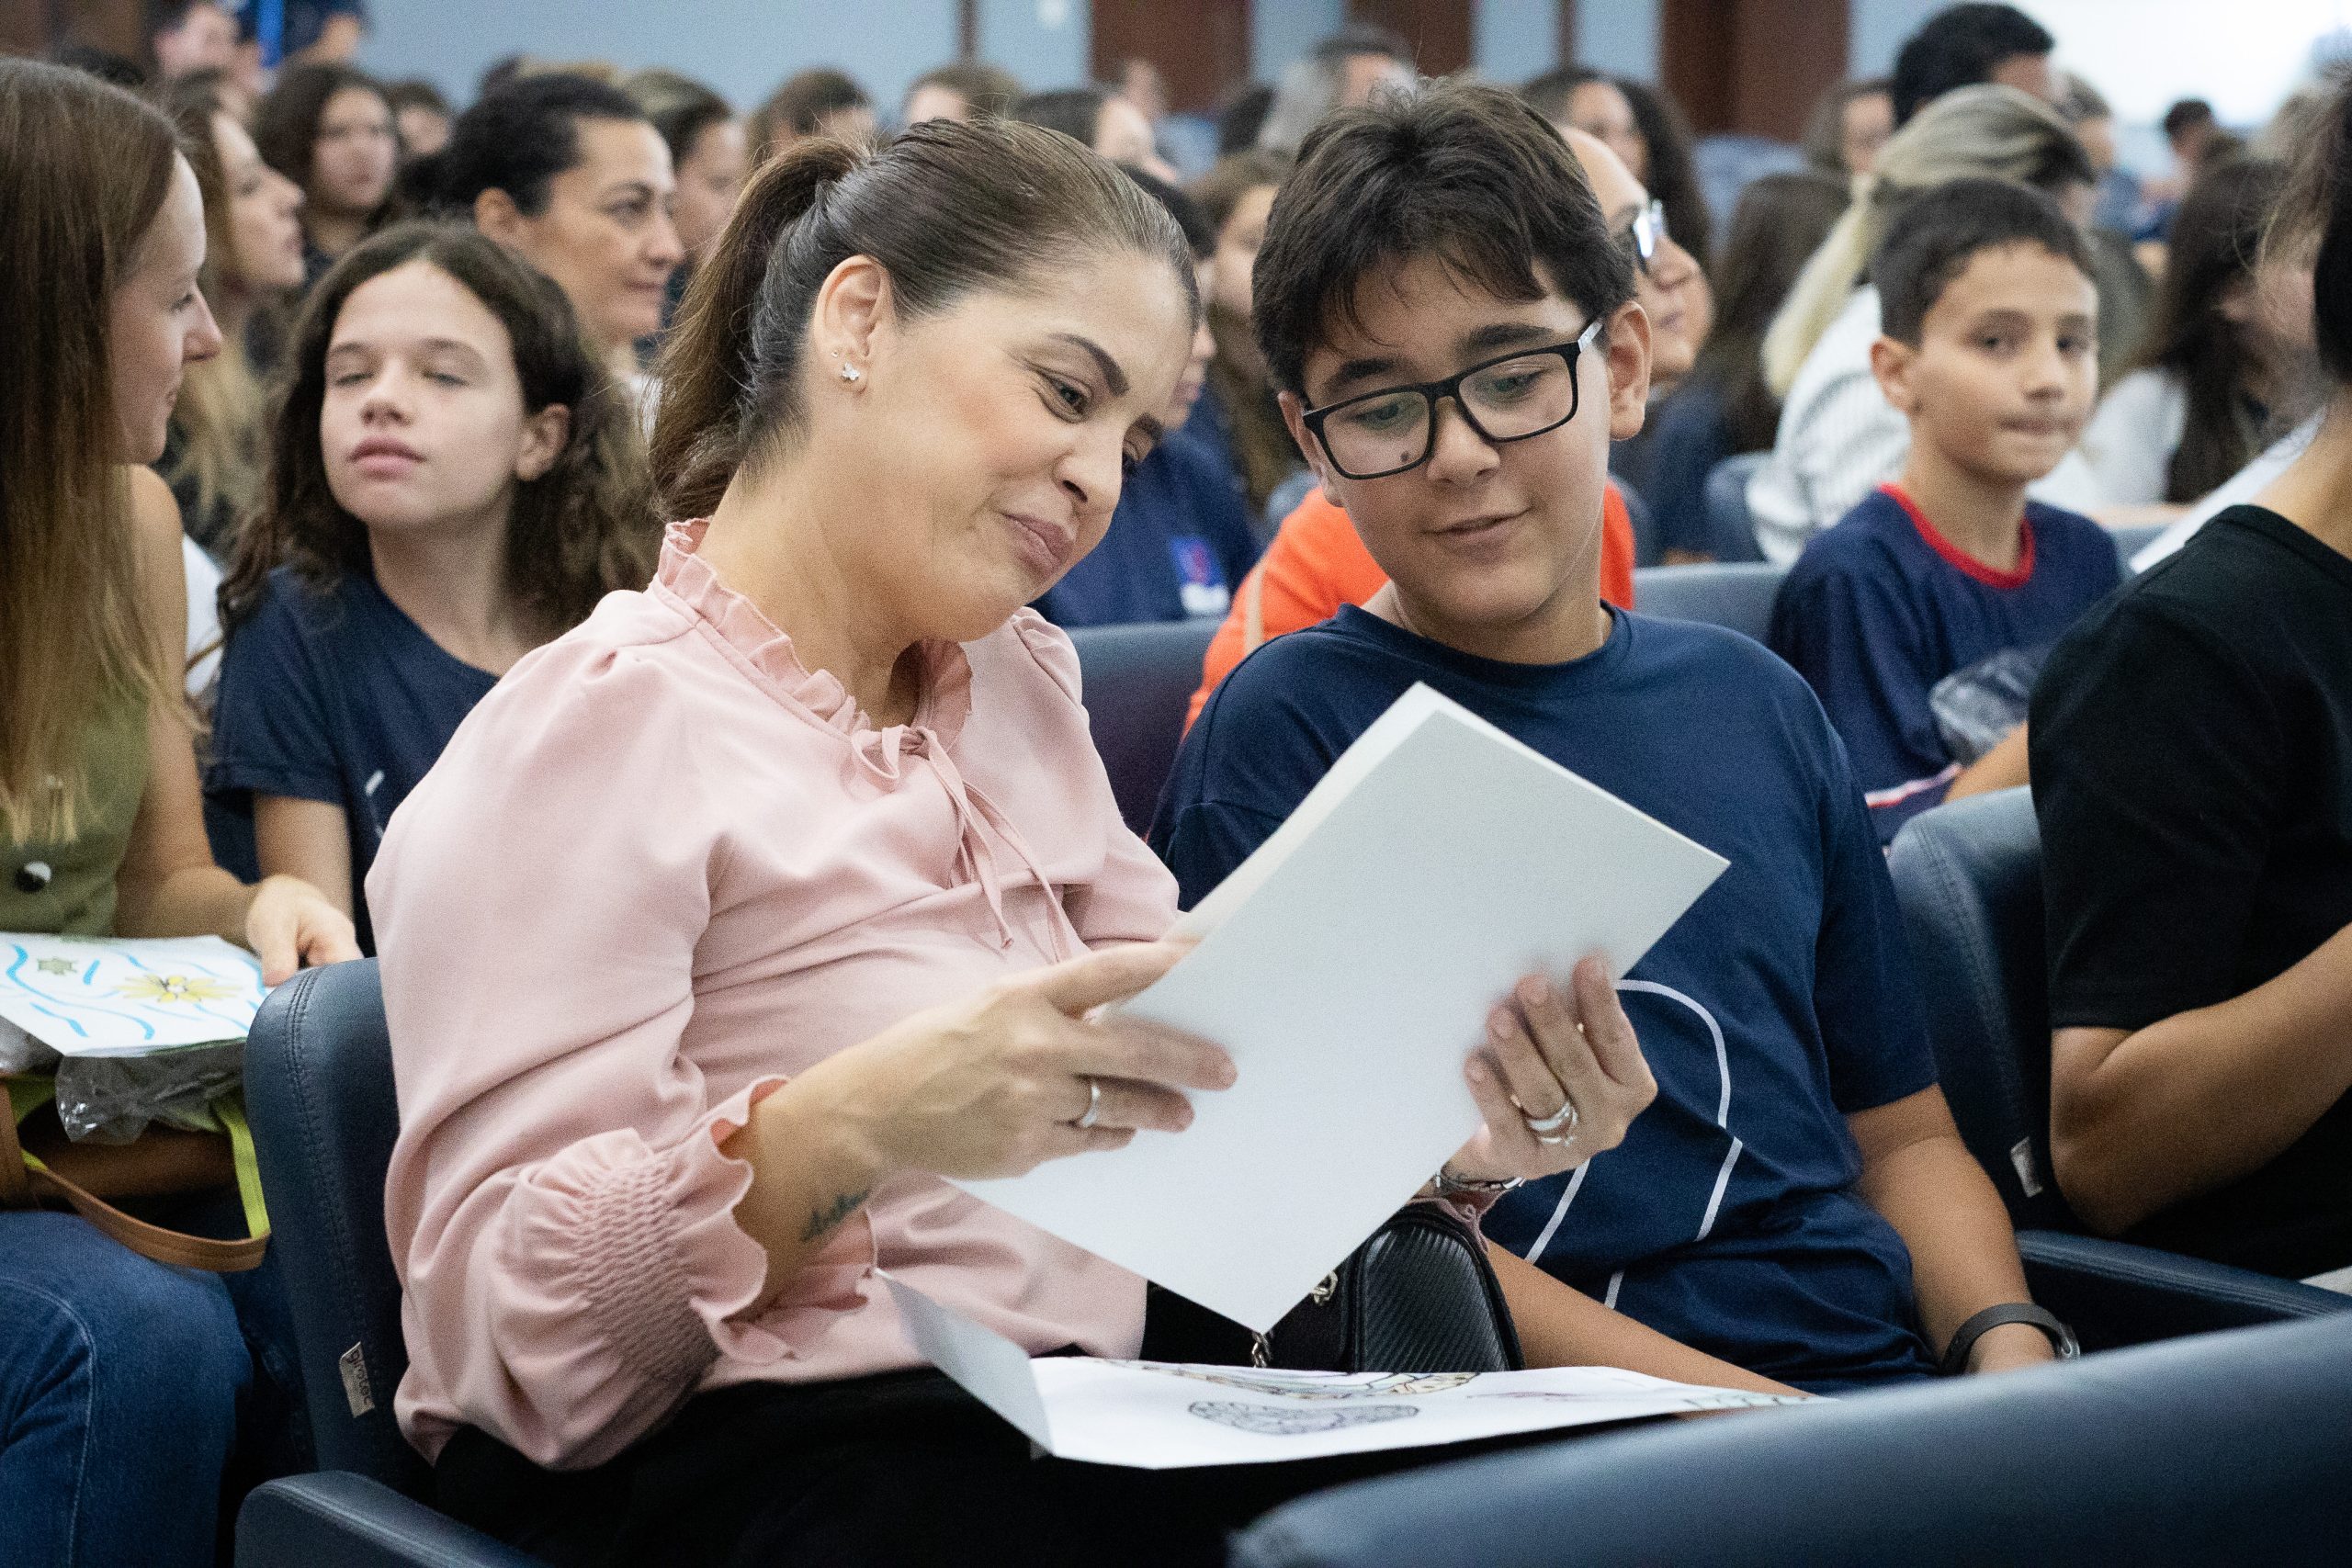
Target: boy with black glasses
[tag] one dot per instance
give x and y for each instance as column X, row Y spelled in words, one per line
column 1453, row 331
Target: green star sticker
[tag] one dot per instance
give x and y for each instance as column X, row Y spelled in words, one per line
column 54, row 965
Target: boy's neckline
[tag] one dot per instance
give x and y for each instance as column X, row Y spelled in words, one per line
column 1981, row 571
column 1362, row 621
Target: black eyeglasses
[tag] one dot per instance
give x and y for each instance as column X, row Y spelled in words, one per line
column 1647, row 232
column 1504, row 400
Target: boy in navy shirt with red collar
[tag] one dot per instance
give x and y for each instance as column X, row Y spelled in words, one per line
column 1923, row 615
column 1452, row 325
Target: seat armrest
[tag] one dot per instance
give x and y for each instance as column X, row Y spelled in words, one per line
column 2114, row 1292
column 343, row 1518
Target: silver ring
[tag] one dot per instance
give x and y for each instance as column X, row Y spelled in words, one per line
column 1555, row 1140
column 1094, row 1105
column 1564, row 1118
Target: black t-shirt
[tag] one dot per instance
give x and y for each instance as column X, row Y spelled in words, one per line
column 2192, row 769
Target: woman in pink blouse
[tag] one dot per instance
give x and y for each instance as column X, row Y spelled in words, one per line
column 733, row 920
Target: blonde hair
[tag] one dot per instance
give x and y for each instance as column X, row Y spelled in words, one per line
column 220, row 408
column 1984, row 130
column 86, row 167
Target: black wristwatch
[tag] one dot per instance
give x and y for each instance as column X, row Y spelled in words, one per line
column 1965, row 1339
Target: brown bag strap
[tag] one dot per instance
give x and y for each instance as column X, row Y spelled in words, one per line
column 15, row 1192
column 148, row 1241
column 24, row 1182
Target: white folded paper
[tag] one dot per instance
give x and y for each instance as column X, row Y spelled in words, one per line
column 1348, row 967
column 1161, row 1415
column 118, row 998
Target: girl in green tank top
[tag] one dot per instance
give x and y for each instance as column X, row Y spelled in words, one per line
column 67, row 887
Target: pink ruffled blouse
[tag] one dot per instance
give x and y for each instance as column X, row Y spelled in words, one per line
column 660, row 869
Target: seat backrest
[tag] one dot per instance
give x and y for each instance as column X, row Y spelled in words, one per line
column 319, row 1090
column 1138, row 681
column 1731, row 532
column 1737, row 595
column 2132, row 539
column 1967, row 877
column 2216, row 1447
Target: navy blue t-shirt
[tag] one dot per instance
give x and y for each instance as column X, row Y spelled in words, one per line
column 1688, row 437
column 1778, row 1004
column 1178, row 545
column 335, row 696
column 1881, row 607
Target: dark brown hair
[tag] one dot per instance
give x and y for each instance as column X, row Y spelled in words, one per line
column 985, row 88
column 947, row 209
column 2215, row 244
column 86, row 167
column 1471, row 175
column 519, row 136
column 1262, row 448
column 1825, row 133
column 2315, row 214
column 1673, row 179
column 1230, row 178
column 1075, row 112
column 681, row 108
column 799, row 104
column 286, row 124
column 578, row 532
column 1781, row 221
column 1930, row 241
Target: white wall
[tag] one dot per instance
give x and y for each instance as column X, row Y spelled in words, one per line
column 1281, row 30
column 1619, row 36
column 743, row 48
column 1515, row 39
column 1046, row 44
column 1875, row 31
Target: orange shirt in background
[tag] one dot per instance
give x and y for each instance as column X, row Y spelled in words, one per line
column 1315, row 564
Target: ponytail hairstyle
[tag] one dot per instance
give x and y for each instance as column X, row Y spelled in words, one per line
column 581, row 530
column 1984, row 132
column 947, row 209
column 2315, row 218
column 86, row 167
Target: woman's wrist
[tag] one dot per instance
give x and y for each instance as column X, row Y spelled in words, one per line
column 827, row 1120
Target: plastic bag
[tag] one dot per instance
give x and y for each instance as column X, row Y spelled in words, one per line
column 1976, row 709
column 112, row 1100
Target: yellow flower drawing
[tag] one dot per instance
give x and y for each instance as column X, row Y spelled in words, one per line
column 174, row 988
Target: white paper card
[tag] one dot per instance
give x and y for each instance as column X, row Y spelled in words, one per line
column 986, row 1365
column 1348, row 967
column 1162, row 1416
column 83, row 997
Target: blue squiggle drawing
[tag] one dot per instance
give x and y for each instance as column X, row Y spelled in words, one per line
column 73, row 1024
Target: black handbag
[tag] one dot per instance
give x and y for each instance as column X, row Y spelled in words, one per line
column 1418, row 1296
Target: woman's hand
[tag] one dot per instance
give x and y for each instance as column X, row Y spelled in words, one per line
column 998, row 1084
column 290, row 925
column 1559, row 1079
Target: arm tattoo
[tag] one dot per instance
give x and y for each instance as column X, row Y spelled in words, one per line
column 831, row 1214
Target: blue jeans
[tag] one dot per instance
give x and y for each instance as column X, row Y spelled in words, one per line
column 121, row 1386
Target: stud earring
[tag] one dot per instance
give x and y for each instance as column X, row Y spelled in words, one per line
column 851, row 374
